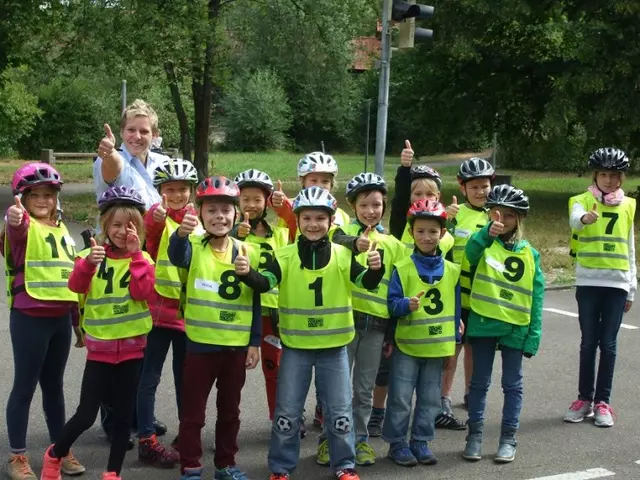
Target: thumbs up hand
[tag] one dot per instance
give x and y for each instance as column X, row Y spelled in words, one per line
column 244, row 228
column 16, row 212
column 97, row 253
column 406, row 157
column 160, row 212
column 497, row 227
column 188, row 225
column 242, row 261
column 108, row 143
column 453, row 209
column 363, row 243
column 591, row 216
column 374, row 260
column 414, row 302
column 278, row 197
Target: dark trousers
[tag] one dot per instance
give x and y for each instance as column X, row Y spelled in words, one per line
column 120, row 381
column 40, row 351
column 227, row 369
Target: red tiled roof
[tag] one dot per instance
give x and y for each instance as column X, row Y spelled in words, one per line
column 366, row 52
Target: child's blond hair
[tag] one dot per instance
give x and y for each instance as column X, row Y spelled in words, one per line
column 430, row 186
column 140, row 108
column 133, row 215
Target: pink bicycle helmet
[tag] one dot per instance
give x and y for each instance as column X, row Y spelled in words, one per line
column 34, row 174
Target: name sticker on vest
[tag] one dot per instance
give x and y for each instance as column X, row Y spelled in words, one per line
column 495, row 264
column 459, row 232
column 208, row 285
column 69, row 241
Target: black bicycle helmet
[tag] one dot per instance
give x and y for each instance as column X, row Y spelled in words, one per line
column 424, row 171
column 475, row 168
column 508, row 196
column 609, row 159
column 365, row 182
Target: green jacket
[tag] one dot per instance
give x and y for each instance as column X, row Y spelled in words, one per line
column 525, row 338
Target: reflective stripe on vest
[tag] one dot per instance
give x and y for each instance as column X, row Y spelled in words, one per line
column 315, row 305
column 169, row 278
column 605, row 243
column 446, row 242
column 279, row 239
column 375, row 302
column 48, row 279
column 503, row 285
column 219, row 307
column 430, row 331
column 109, row 311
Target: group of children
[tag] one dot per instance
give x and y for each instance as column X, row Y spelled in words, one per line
column 319, row 294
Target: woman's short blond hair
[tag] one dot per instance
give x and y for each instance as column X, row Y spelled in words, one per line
column 133, row 215
column 140, row 108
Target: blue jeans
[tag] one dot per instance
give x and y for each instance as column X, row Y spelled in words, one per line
column 484, row 351
column 334, row 388
column 600, row 311
column 158, row 342
column 424, row 375
column 40, row 350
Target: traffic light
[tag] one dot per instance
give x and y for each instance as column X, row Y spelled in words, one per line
column 408, row 13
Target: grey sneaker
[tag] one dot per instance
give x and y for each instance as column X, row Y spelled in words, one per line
column 603, row 415
column 578, row 411
column 446, row 405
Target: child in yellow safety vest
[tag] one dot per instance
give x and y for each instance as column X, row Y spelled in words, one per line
column 116, row 278
column 38, row 253
column 223, row 322
column 175, row 180
column 602, row 224
column 316, row 324
column 256, row 188
column 474, row 176
column 507, row 294
column 366, row 193
column 424, row 303
column 314, row 169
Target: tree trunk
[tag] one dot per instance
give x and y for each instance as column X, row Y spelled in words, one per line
column 185, row 136
column 202, row 88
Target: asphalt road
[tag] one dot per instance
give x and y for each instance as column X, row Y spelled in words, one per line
column 548, row 448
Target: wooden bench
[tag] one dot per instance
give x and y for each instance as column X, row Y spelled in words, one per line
column 47, row 155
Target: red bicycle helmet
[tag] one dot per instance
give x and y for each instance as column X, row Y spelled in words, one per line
column 217, row 187
column 427, row 209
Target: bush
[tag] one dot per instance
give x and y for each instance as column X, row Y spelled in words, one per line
column 18, row 109
column 257, row 114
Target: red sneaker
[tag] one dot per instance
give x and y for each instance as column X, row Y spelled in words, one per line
column 51, row 466
column 152, row 452
column 110, row 476
column 279, row 476
column 347, row 474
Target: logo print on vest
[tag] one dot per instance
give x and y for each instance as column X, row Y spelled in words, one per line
column 226, row 316
column 506, row 294
column 435, row 330
column 121, row 309
column 315, row 322
column 65, row 274
column 609, row 247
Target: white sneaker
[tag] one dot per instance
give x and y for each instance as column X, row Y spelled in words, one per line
column 578, row 411
column 603, row 415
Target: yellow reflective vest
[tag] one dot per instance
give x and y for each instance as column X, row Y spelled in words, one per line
column 169, row 278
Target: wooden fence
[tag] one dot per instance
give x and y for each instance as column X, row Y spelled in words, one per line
column 47, row 155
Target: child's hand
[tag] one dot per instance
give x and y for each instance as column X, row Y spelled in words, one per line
column 363, row 243
column 242, row 262
column 15, row 214
column 591, row 216
column 414, row 302
column 160, row 213
column 453, row 209
column 278, row 197
column 497, row 227
column 462, row 327
column 188, row 225
column 627, row 305
column 244, row 228
column 406, row 157
column 253, row 357
column 133, row 241
column 79, row 337
column 373, row 257
column 108, row 143
column 97, row 253
column 387, row 350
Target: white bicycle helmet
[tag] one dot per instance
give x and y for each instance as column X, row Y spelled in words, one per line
column 317, row 162
column 315, row 197
column 254, row 178
column 175, row 169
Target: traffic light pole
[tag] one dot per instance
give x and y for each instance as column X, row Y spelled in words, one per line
column 383, row 87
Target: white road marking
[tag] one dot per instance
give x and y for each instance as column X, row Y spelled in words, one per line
column 575, row 315
column 583, row 475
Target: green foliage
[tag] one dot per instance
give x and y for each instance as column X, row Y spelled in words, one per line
column 18, row 109
column 257, row 113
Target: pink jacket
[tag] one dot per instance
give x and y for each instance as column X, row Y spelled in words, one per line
column 164, row 311
column 140, row 288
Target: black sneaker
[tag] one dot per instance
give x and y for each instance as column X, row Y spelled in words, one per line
column 465, row 401
column 449, row 421
column 159, row 427
column 317, row 417
column 375, row 425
